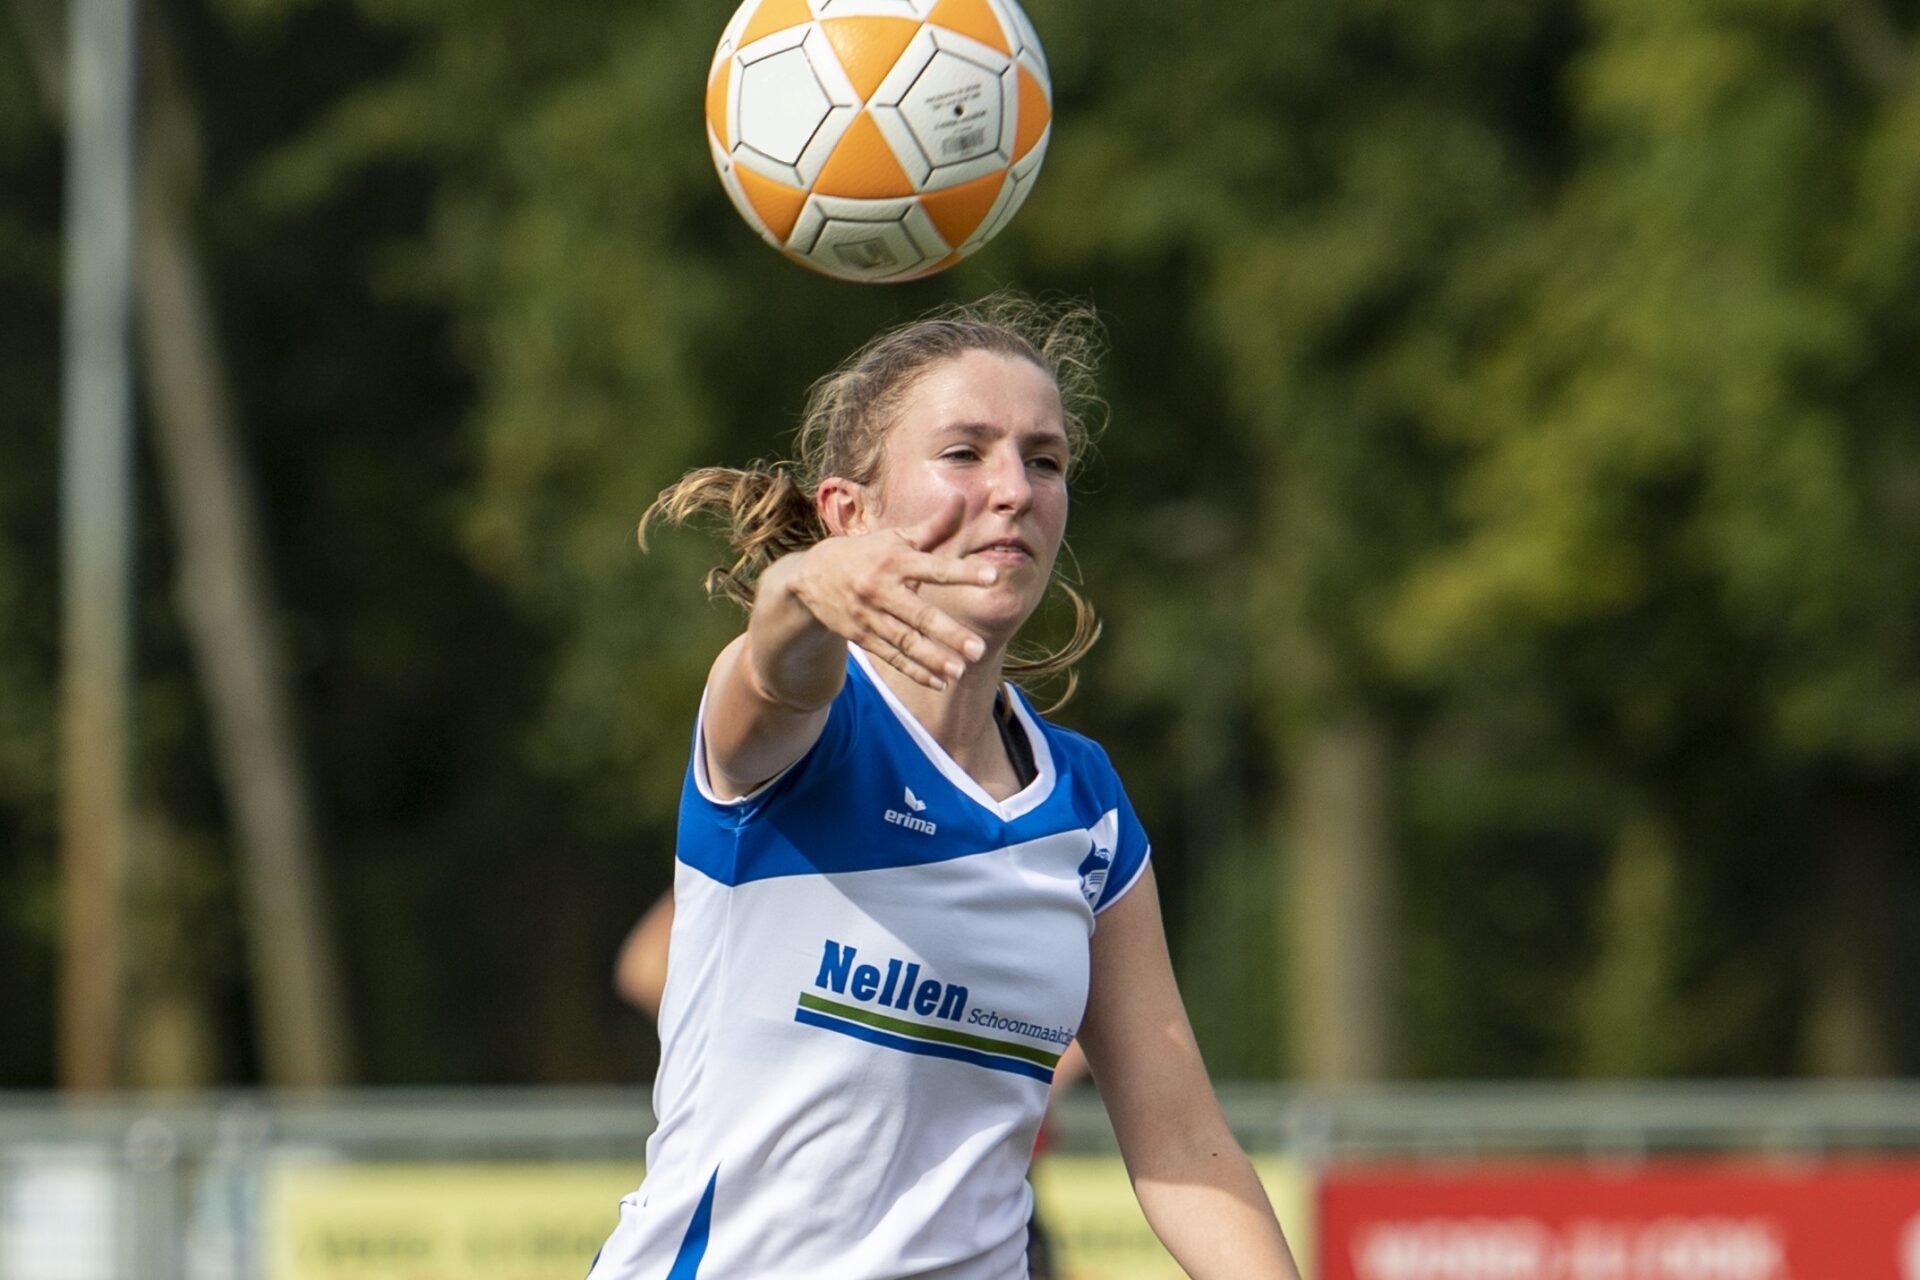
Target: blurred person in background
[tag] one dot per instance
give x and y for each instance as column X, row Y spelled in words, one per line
column 899, row 893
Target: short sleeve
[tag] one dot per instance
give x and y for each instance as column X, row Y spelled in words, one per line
column 1131, row 852
column 836, row 736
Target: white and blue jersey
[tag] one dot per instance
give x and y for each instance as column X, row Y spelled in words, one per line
column 875, row 967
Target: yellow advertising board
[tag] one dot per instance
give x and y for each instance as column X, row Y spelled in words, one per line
column 546, row 1221
column 440, row 1221
column 1087, row 1206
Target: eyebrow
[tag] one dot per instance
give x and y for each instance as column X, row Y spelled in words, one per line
column 986, row 431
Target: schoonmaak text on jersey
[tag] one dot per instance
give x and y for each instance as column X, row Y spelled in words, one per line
column 902, row 985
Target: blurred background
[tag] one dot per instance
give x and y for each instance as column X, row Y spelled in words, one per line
column 1507, row 533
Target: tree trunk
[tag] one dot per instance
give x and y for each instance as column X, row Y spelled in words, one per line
column 96, row 519
column 223, row 591
column 1338, row 906
column 1631, row 1020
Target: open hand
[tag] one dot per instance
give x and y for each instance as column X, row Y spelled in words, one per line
column 865, row 587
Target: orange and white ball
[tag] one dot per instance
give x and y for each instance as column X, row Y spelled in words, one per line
column 878, row 140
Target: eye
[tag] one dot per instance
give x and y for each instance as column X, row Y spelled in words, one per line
column 961, row 453
column 1048, row 462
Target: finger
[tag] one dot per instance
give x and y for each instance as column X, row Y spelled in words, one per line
column 938, row 527
column 932, row 636
column 955, row 571
column 899, row 659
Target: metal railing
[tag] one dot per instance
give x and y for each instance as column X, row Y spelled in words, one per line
column 170, row 1187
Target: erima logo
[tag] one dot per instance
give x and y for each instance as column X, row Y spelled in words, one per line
column 909, row 820
column 1101, row 837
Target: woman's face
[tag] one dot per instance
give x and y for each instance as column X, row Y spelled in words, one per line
column 983, row 433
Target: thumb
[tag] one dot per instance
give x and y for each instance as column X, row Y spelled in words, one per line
column 938, row 527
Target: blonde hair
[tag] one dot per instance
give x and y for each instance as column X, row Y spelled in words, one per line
column 768, row 508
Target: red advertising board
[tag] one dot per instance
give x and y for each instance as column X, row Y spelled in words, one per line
column 1662, row 1220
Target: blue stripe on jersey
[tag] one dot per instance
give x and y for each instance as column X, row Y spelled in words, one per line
column 887, row 1040
column 830, row 812
column 693, row 1248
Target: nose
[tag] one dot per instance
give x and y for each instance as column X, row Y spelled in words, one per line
column 1011, row 488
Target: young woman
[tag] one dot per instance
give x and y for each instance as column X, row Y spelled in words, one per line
column 900, row 893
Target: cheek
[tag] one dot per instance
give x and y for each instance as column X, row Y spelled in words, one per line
column 909, row 495
column 1052, row 505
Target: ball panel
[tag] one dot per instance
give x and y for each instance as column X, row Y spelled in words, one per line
column 958, row 211
column 954, row 109
column 775, row 15
column 1035, row 114
column 974, row 18
column 717, row 95
column 1026, row 39
column 775, row 205
column 867, row 48
column 871, row 250
column 781, row 105
column 871, row 240
column 863, row 166
column 906, row 150
column 730, row 182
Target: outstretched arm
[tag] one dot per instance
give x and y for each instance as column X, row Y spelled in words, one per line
column 1195, row 1185
column 770, row 690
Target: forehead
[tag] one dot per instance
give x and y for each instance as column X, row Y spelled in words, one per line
column 983, row 388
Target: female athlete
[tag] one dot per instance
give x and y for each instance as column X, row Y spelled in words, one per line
column 900, row 893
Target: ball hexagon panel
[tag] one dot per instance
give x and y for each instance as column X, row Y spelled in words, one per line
column 781, row 105
column 956, row 111
column 790, row 105
column 947, row 109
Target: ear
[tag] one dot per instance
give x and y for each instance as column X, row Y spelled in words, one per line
column 844, row 506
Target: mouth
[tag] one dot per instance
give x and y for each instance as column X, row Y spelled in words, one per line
column 1003, row 551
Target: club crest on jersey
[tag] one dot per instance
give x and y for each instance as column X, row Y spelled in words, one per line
column 911, row 819
column 1101, row 837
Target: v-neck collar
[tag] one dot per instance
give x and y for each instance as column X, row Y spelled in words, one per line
column 1021, row 802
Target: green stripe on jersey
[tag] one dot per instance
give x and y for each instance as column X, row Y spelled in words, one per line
column 921, row 1031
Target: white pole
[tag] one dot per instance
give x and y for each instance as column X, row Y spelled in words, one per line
column 96, row 530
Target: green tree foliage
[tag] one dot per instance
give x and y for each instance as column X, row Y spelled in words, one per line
column 1686, row 516
column 1521, row 389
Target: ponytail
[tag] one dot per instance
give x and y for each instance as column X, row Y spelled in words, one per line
column 765, row 512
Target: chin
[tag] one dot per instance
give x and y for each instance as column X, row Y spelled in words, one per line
column 1004, row 617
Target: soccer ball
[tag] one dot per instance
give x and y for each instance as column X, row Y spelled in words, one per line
column 878, row 140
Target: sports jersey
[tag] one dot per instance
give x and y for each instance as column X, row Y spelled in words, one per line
column 874, row 969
